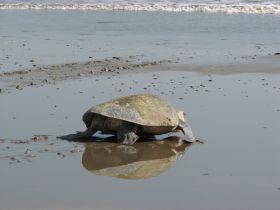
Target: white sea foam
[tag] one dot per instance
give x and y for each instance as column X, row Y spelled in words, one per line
column 260, row 8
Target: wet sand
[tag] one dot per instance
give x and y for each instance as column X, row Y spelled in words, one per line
column 233, row 107
column 51, row 74
column 114, row 66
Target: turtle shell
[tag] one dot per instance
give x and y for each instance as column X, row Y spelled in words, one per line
column 144, row 109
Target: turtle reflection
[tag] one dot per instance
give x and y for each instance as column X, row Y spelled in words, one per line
column 139, row 161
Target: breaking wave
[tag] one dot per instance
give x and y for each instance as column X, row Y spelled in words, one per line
column 145, row 6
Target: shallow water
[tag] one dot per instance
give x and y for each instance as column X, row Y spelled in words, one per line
column 47, row 37
column 237, row 116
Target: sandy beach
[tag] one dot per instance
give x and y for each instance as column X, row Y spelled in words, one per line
column 231, row 98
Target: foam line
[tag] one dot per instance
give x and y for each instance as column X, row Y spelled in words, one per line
column 167, row 7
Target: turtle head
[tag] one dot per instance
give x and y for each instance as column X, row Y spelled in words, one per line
column 183, row 125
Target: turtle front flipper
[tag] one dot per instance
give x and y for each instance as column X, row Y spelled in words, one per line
column 126, row 134
column 187, row 131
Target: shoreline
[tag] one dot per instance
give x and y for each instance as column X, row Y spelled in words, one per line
column 187, row 38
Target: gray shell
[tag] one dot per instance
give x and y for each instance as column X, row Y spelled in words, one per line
column 144, row 109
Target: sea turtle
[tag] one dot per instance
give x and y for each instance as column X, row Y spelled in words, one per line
column 132, row 116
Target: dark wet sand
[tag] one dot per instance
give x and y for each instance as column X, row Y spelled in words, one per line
column 51, row 74
column 43, row 75
column 236, row 114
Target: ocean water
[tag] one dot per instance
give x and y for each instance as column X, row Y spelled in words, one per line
column 225, row 6
column 57, row 36
column 189, row 31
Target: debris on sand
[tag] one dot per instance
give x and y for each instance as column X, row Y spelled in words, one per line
column 20, row 141
column 25, row 150
column 40, row 137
